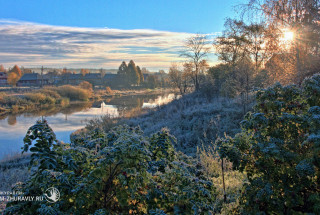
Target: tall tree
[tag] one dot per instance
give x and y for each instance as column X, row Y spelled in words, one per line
column 133, row 74
column 123, row 69
column 16, row 70
column 140, row 75
column 195, row 50
column 230, row 47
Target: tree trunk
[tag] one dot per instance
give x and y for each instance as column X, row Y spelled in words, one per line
column 224, row 186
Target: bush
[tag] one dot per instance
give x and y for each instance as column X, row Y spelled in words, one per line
column 85, row 85
column 108, row 90
column 50, row 92
column 279, row 149
column 35, row 97
column 73, row 93
column 119, row 172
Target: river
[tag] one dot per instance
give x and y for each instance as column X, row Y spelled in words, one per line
column 66, row 120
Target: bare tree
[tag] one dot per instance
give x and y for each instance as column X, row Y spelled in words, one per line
column 178, row 78
column 195, row 50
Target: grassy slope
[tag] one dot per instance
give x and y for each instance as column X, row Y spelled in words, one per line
column 193, row 120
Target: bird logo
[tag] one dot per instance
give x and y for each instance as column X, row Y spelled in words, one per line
column 52, row 194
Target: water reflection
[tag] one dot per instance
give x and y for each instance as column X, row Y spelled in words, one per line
column 65, row 120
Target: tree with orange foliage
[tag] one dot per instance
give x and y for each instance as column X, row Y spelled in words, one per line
column 13, row 78
column 2, row 68
column 85, row 85
column 16, row 70
column 299, row 19
column 84, row 72
column 14, row 75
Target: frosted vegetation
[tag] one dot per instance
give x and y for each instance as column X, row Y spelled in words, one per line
column 193, row 120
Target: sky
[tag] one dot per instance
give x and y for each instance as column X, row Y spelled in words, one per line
column 103, row 33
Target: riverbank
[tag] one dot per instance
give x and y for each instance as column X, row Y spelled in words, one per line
column 193, row 120
column 60, row 97
column 131, row 102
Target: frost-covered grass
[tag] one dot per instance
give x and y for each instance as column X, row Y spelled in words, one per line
column 192, row 119
column 13, row 169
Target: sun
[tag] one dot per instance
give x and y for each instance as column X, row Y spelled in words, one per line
column 288, row 36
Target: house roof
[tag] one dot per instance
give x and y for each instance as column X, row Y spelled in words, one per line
column 74, row 76
column 93, row 76
column 30, row 77
column 3, row 74
column 110, row 76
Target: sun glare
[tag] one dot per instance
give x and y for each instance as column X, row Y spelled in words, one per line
column 288, row 36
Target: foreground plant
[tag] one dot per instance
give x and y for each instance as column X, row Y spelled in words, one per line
column 279, row 149
column 119, row 172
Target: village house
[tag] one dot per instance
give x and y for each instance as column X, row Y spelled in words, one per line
column 3, row 79
column 94, row 78
column 110, row 79
column 32, row 79
column 73, row 79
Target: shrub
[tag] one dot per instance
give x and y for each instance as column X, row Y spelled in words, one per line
column 35, row 97
column 119, row 172
column 50, row 92
column 85, row 85
column 63, row 101
column 108, row 90
column 73, row 93
column 279, row 149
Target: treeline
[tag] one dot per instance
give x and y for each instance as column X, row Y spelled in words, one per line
column 131, row 75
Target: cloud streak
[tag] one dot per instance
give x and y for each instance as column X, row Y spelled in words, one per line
column 32, row 44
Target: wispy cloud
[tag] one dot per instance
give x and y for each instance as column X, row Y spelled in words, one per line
column 32, row 44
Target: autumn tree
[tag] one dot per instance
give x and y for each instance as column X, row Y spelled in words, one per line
column 84, row 72
column 195, row 50
column 241, row 47
column 300, row 20
column 13, row 78
column 14, row 75
column 2, row 68
column 85, row 85
column 16, row 70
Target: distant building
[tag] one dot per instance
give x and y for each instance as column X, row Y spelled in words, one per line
column 110, row 79
column 3, row 79
column 94, row 78
column 32, row 79
column 73, row 79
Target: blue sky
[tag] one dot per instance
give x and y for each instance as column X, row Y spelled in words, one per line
column 102, row 33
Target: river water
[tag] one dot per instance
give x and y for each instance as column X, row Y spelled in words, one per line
column 66, row 120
